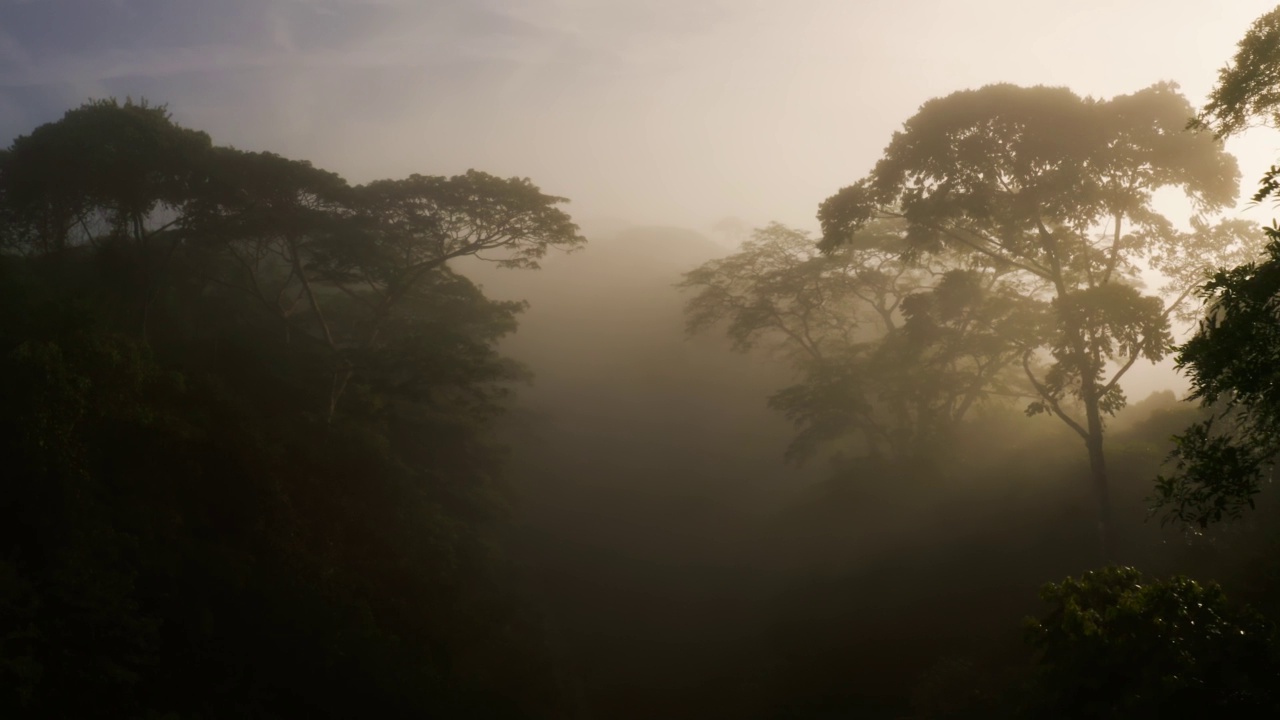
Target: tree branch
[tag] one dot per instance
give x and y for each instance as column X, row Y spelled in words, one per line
column 1048, row 398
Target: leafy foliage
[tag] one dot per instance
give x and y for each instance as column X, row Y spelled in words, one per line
column 1248, row 88
column 1052, row 194
column 1116, row 644
column 275, row 496
column 891, row 353
column 1221, row 463
column 105, row 168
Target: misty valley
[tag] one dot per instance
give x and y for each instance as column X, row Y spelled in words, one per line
column 279, row 443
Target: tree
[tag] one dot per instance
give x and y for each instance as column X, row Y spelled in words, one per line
column 106, row 169
column 127, row 176
column 106, row 172
column 193, row 524
column 1054, row 192
column 263, row 214
column 1116, row 644
column 1248, row 88
column 1221, row 463
column 893, row 352
column 296, row 237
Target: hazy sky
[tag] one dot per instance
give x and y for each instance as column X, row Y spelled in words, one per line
column 653, row 111
column 672, row 111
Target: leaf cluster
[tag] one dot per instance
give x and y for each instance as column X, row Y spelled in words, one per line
column 1231, row 361
column 1117, row 644
column 1248, row 87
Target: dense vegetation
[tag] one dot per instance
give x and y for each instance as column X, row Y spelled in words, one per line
column 246, row 411
column 996, row 255
column 270, row 450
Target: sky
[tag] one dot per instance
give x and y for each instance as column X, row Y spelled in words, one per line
column 656, row 111
column 675, row 112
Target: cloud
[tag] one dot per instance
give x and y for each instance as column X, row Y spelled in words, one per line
column 666, row 109
column 159, row 40
column 12, row 53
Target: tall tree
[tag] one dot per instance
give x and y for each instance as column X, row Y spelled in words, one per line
column 104, row 170
column 1056, row 192
column 193, row 525
column 1222, row 462
column 297, row 237
column 891, row 351
column 105, row 173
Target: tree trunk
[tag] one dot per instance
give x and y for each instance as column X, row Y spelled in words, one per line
column 1098, row 477
column 343, row 374
column 341, row 377
column 296, row 260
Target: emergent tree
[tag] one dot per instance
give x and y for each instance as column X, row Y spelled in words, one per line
column 1055, row 193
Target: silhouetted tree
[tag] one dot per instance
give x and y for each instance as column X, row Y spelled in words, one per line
column 190, row 529
column 105, row 173
column 893, row 351
column 1248, row 87
column 1054, row 192
column 1232, row 361
column 1221, row 462
column 297, row 235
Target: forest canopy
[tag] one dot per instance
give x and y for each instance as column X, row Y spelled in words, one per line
column 272, row 449
column 1053, row 194
column 247, row 411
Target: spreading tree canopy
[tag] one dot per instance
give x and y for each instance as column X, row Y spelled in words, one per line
column 891, row 351
column 1055, row 192
column 247, row 426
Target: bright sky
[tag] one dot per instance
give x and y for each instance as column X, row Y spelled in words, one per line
column 676, row 112
column 671, row 111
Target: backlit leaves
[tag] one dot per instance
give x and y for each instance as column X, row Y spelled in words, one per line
column 1248, row 88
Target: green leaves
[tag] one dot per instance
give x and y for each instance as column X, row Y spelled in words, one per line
column 1216, row 475
column 1117, row 644
column 1221, row 463
column 1233, row 362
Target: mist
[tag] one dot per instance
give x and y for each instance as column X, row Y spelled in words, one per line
column 687, row 570
column 377, row 358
